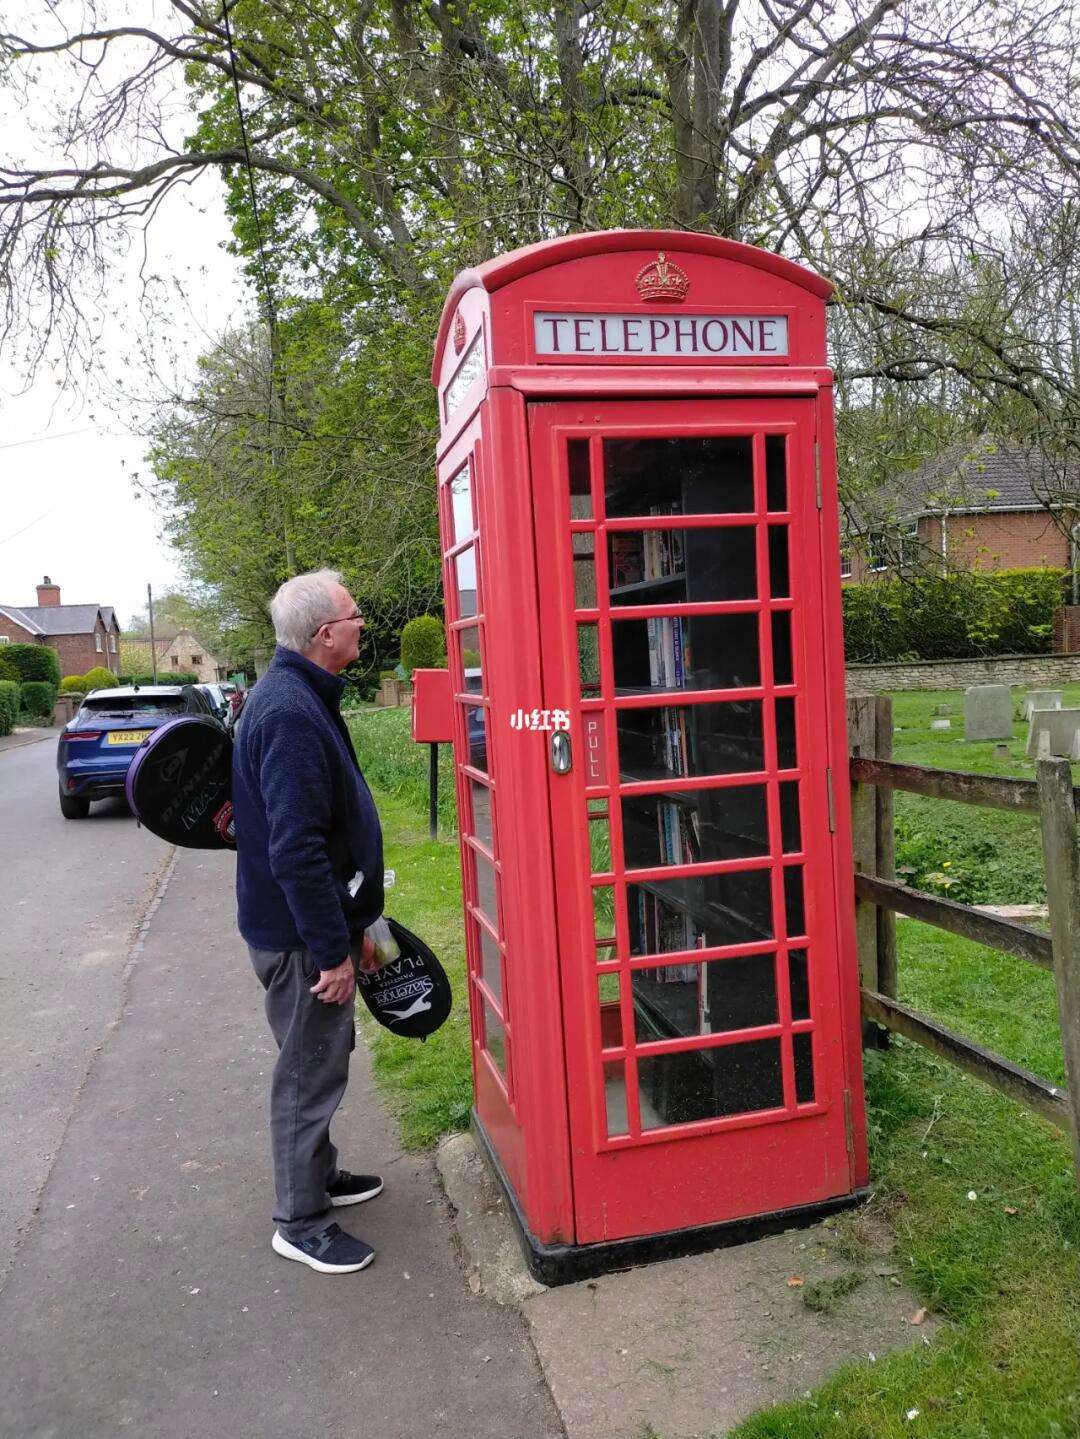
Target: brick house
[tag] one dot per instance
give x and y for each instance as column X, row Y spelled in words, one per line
column 183, row 651
column 979, row 506
column 82, row 635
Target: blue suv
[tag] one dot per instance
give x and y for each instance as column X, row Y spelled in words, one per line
column 96, row 747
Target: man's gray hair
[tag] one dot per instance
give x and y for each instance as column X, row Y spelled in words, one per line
column 301, row 605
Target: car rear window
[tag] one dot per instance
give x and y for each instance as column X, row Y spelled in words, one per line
column 136, row 705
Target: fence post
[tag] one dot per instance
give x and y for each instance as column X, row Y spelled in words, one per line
column 1057, row 812
column 886, row 851
column 862, row 737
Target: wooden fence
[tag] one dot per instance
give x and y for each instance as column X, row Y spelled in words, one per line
column 878, row 899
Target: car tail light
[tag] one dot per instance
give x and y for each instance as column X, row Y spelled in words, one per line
column 84, row 734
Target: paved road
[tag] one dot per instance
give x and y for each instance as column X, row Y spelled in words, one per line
column 144, row 1297
column 72, row 894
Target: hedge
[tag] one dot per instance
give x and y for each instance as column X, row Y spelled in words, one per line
column 37, row 698
column 8, row 668
column 99, row 678
column 9, row 705
column 34, row 662
column 423, row 644
column 73, row 684
column 966, row 615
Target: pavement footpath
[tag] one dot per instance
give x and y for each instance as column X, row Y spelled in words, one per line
column 144, row 1296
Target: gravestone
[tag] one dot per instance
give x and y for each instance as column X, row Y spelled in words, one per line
column 941, row 724
column 1054, row 733
column 987, row 712
column 1041, row 700
column 943, row 709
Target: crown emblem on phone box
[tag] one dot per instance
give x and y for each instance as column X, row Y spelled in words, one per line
column 662, row 279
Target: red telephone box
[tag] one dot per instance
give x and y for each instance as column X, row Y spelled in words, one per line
column 641, row 565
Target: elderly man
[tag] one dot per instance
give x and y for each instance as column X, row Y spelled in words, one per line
column 309, row 880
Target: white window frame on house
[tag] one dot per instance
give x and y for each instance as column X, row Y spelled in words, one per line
column 845, row 562
column 112, row 644
column 97, row 642
column 5, row 639
column 877, row 552
column 910, row 545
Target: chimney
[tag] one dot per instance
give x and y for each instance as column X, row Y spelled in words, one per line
column 48, row 594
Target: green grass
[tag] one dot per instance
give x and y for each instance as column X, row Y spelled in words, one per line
column 1002, row 1269
column 979, row 856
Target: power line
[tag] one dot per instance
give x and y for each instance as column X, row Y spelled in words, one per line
column 40, row 439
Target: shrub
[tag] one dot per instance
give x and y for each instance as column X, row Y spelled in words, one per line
column 34, row 662
column 73, row 684
column 142, row 680
column 99, row 678
column 177, row 677
column 37, row 698
column 9, row 705
column 8, row 668
column 958, row 616
column 423, row 644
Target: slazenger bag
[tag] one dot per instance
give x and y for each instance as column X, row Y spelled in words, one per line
column 410, row 995
column 179, row 784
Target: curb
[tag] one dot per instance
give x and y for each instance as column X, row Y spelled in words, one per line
column 17, row 741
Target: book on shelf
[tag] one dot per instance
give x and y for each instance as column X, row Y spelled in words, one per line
column 627, row 560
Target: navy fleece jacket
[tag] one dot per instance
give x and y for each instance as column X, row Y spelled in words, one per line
column 305, row 818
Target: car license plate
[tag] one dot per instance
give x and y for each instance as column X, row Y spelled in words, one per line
column 128, row 736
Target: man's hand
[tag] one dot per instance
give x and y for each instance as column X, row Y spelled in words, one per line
column 336, row 985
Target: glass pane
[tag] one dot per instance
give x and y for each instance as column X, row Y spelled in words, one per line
column 615, row 1098
column 609, row 989
column 699, row 912
column 469, row 640
column 577, row 458
column 787, row 756
column 776, row 472
column 712, row 475
column 588, row 659
column 461, row 504
column 465, row 578
column 695, row 827
column 705, row 1083
column 781, row 648
column 584, row 575
column 793, row 900
column 481, row 812
column 789, row 818
column 485, row 888
column 779, row 571
column 799, row 983
column 678, row 1000
column 690, row 740
column 476, row 732
column 494, row 1038
column 803, row 1046
column 600, row 845
column 603, row 912
column 666, row 567
column 694, row 652
column 491, row 963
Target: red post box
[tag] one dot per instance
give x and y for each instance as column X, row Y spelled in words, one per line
column 641, row 564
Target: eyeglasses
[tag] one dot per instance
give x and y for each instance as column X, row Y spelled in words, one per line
column 356, row 615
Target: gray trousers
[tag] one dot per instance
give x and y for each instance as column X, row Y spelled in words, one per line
column 314, row 1042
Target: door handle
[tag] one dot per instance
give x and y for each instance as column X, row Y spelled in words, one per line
column 561, row 754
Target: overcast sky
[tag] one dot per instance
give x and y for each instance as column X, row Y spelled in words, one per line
column 68, row 505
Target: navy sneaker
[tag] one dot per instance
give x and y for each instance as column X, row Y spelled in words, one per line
column 353, row 1188
column 331, row 1251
